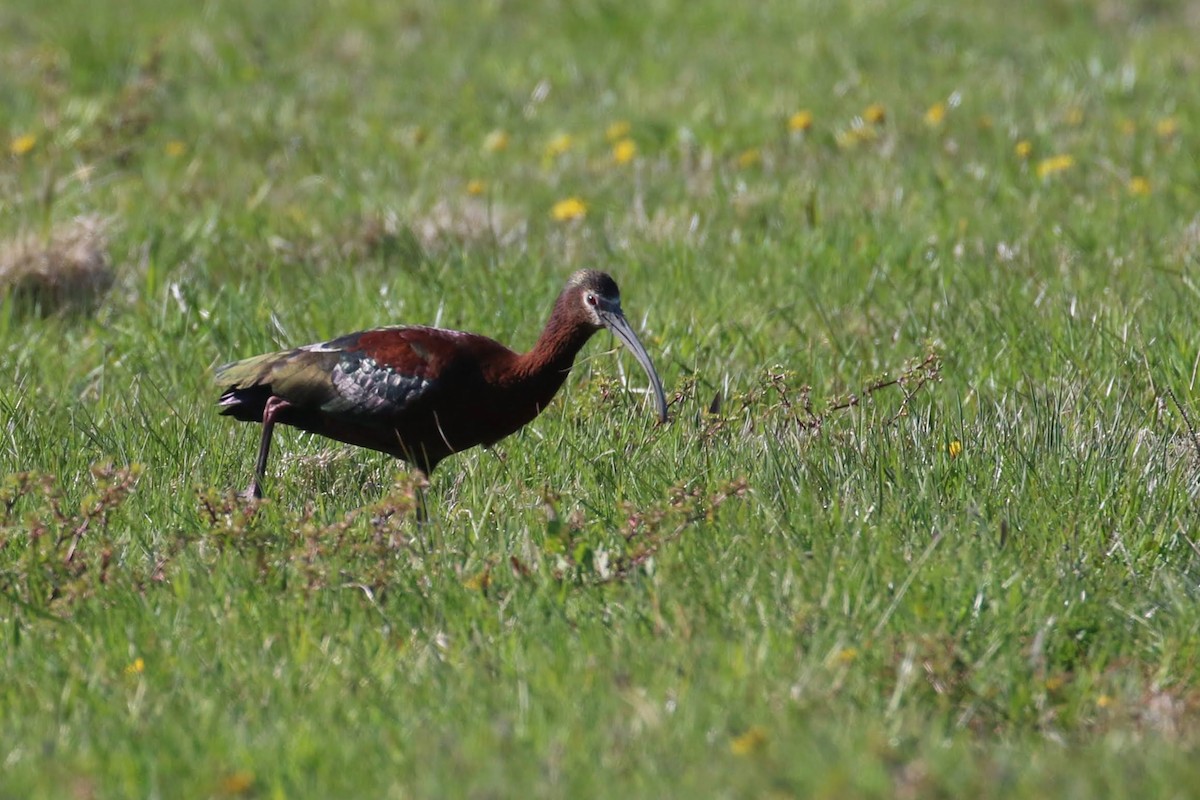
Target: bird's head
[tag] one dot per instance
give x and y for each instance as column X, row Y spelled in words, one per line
column 599, row 305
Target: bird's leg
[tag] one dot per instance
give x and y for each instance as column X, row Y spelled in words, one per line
column 271, row 411
column 423, row 528
column 422, row 504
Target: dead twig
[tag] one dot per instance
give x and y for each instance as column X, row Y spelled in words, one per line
column 1186, row 419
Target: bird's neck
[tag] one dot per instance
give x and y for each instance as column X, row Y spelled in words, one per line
column 551, row 358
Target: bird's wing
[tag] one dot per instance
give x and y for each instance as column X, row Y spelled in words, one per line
column 376, row 373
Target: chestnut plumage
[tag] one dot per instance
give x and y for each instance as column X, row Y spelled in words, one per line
column 418, row 393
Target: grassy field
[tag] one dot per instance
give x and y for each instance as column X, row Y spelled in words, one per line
column 939, row 262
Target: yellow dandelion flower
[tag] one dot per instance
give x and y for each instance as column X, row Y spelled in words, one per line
column 1139, row 186
column 136, row 667
column 935, row 115
column 1126, row 126
column 568, row 210
column 559, row 144
column 1023, row 149
column 955, row 449
column 624, row 151
column 1104, row 701
column 22, row 144
column 749, row 158
column 750, row 742
column 235, row 783
column 496, row 141
column 175, row 148
column 846, row 655
column 476, row 187
column 1074, row 116
column 480, row 581
column 800, row 122
column 1054, row 165
column 1167, row 127
column 875, row 114
column 617, row 131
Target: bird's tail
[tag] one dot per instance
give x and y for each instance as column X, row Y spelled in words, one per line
column 246, row 386
column 249, row 371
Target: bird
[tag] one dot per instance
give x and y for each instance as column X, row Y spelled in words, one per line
column 421, row 394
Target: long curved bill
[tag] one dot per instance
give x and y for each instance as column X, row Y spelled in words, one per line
column 615, row 321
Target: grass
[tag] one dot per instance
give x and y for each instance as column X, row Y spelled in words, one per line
column 980, row 581
column 62, row 271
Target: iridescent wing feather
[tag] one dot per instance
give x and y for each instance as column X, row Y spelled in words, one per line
column 371, row 374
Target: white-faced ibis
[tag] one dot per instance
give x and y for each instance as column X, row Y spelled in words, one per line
column 420, row 394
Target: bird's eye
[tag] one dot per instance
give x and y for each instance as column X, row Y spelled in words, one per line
column 591, row 300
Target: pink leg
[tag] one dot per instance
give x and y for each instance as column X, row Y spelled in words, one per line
column 271, row 411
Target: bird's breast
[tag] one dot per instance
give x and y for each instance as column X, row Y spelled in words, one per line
column 496, row 409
